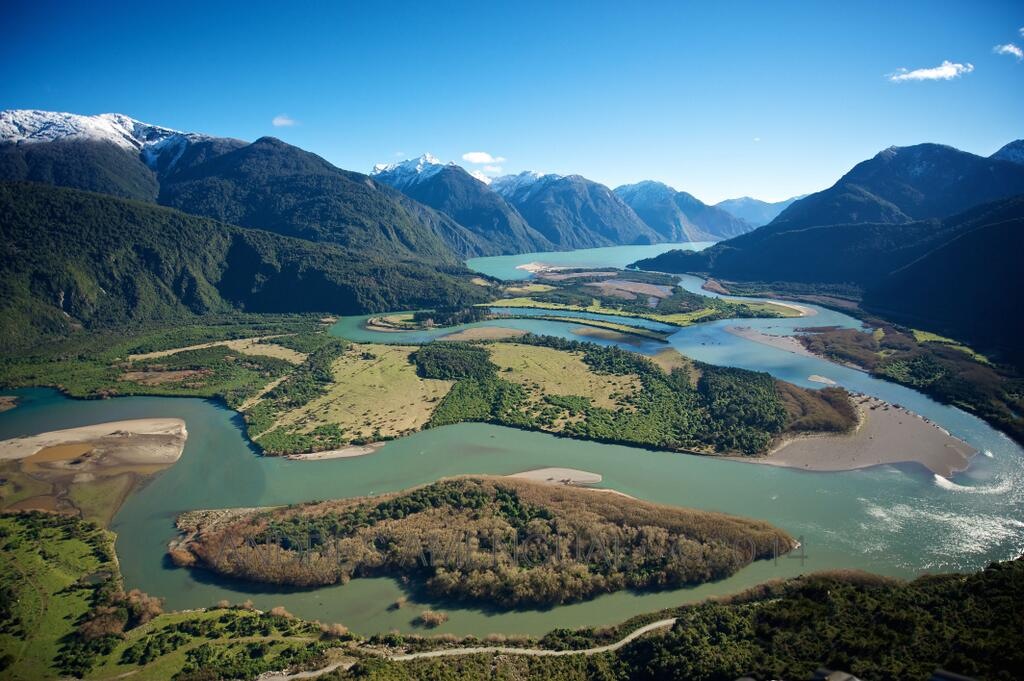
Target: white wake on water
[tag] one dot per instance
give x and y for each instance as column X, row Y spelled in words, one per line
column 1002, row 487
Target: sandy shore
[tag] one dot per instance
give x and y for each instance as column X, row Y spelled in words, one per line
column 484, row 333
column 802, row 309
column 343, row 453
column 887, row 434
column 568, row 476
column 560, row 476
column 140, row 441
column 787, row 343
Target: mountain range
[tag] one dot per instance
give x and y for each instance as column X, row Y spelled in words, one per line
column 922, row 235
column 678, row 216
column 754, row 211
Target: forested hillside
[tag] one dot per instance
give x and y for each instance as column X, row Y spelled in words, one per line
column 73, row 259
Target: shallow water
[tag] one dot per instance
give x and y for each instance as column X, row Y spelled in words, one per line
column 895, row 521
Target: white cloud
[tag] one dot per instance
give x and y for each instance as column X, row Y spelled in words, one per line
column 283, row 121
column 481, row 157
column 493, row 169
column 399, row 154
column 1011, row 49
column 947, row 70
column 757, row 139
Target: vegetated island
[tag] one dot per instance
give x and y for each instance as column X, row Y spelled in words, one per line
column 645, row 295
column 87, row 471
column 505, row 542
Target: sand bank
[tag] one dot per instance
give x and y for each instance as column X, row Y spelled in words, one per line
column 343, row 453
column 787, row 343
column 561, row 476
column 484, row 333
column 887, row 434
column 821, row 379
column 87, row 471
column 8, row 402
column 139, row 441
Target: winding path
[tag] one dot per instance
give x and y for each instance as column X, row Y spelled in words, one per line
column 452, row 652
column 538, row 652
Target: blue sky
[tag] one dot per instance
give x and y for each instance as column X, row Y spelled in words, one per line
column 719, row 99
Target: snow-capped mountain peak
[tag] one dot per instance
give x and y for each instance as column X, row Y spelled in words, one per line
column 29, row 126
column 507, row 185
column 404, row 173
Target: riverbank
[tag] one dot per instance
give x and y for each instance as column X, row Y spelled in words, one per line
column 886, row 434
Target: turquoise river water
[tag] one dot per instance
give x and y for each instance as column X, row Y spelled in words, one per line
column 899, row 521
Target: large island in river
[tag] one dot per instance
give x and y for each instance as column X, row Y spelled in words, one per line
column 506, row 542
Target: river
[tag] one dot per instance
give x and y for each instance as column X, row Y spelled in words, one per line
column 899, row 521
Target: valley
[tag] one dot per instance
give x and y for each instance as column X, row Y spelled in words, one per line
column 273, row 384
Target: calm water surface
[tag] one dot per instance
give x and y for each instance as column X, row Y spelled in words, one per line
column 896, row 521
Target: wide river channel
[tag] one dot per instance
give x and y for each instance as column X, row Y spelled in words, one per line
column 898, row 521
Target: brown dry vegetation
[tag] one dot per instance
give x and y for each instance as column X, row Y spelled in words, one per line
column 494, row 540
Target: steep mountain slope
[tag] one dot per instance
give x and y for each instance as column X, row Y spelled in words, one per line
column 453, row 191
column 754, row 211
column 73, row 259
column 957, row 276
column 902, row 184
column 678, row 216
column 281, row 188
column 969, row 287
column 574, row 212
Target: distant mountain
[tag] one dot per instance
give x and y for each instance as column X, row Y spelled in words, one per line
column 574, row 212
column 1012, row 152
column 272, row 185
column 755, row 212
column 267, row 184
column 902, row 184
column 77, row 259
column 678, row 216
column 466, row 199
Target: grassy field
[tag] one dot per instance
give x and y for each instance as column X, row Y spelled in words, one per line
column 552, row 372
column 929, row 337
column 42, row 568
column 376, row 394
column 59, row 572
column 260, row 345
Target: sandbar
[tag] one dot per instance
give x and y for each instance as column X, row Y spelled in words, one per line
column 886, row 434
column 787, row 343
column 139, row 441
column 341, row 453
